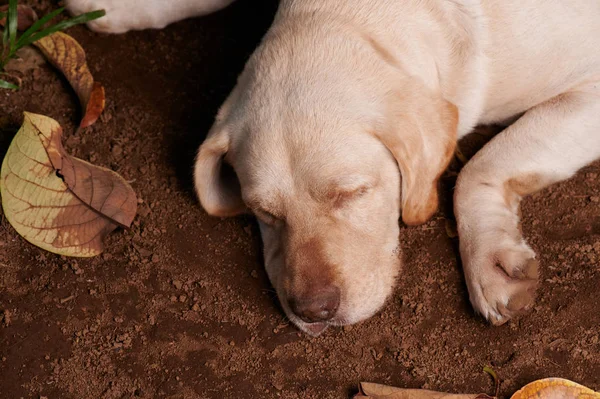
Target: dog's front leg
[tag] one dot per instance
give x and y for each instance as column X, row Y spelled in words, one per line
column 548, row 144
column 124, row 15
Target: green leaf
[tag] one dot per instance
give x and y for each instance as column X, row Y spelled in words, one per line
column 489, row 370
column 37, row 25
column 12, row 23
column 80, row 19
column 6, row 85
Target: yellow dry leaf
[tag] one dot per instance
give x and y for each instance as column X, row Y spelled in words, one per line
column 555, row 388
column 57, row 202
column 65, row 53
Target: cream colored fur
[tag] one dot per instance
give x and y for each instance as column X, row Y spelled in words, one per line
column 349, row 110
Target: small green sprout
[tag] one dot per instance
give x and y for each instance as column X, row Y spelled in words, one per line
column 11, row 43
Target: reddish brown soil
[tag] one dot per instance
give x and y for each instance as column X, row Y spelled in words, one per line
column 179, row 305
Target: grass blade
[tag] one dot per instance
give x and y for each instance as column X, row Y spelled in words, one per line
column 37, row 25
column 6, row 85
column 4, row 47
column 11, row 24
column 80, row 19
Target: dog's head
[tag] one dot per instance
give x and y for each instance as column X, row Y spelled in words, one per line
column 326, row 147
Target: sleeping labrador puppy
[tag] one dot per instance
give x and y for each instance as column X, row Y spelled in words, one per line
column 349, row 111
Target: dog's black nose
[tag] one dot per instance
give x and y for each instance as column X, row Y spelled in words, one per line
column 319, row 306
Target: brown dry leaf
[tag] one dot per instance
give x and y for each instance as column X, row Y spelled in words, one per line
column 555, row 388
column 94, row 107
column 549, row 388
column 451, row 230
column 57, row 202
column 27, row 58
column 68, row 56
column 25, row 17
column 378, row 391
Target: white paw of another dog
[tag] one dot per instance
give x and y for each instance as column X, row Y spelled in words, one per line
column 124, row 15
column 502, row 275
column 121, row 15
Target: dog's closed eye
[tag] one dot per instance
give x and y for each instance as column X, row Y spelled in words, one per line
column 267, row 217
column 340, row 197
column 262, row 205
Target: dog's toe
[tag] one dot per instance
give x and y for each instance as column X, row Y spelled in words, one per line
column 504, row 283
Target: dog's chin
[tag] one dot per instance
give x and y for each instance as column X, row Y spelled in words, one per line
column 312, row 329
column 342, row 318
column 318, row 328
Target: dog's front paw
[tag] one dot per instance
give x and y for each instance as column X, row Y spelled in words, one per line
column 121, row 16
column 502, row 277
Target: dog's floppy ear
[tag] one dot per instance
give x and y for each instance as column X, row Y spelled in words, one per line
column 422, row 139
column 216, row 183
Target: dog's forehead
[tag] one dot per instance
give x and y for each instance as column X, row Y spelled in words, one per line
column 307, row 147
column 297, row 161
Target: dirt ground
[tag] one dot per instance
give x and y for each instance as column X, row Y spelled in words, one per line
column 179, row 305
